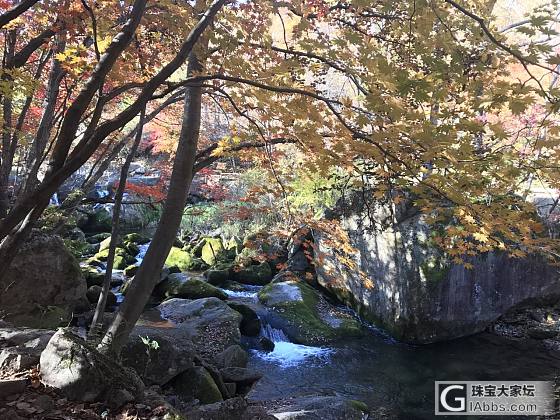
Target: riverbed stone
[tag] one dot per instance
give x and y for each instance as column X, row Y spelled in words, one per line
column 43, row 285
column 233, row 356
column 186, row 286
column 250, row 324
column 173, row 354
column 258, row 275
column 304, row 315
column 92, row 275
column 197, row 383
column 81, row 373
column 218, row 277
column 94, row 292
column 182, row 259
column 212, row 251
column 131, row 270
column 212, row 324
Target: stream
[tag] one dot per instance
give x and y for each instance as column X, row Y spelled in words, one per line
column 381, row 371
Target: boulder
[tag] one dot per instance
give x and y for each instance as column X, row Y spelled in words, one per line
column 212, row 251
column 398, row 279
column 81, row 373
column 93, row 276
column 131, row 270
column 93, row 294
column 240, row 375
column 304, row 315
column 43, row 285
column 136, row 238
column 211, row 323
column 97, row 238
column 185, row 286
column 233, row 356
column 231, row 409
column 97, row 221
column 197, row 383
column 250, row 324
column 179, row 258
column 173, row 354
column 218, row 277
column 258, row 275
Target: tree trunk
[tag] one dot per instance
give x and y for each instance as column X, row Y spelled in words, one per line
column 100, row 309
column 181, row 177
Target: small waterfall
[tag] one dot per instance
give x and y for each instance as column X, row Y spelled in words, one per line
column 287, row 354
column 273, row 334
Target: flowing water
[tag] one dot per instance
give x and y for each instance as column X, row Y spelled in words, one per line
column 382, row 372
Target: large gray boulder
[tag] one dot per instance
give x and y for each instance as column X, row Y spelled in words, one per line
column 173, row 354
column 398, row 280
column 212, row 324
column 43, row 285
column 81, row 373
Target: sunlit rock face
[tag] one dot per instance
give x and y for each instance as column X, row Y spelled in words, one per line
column 399, row 281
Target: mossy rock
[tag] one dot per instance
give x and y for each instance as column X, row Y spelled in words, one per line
column 100, row 237
column 104, row 244
column 179, row 258
column 305, row 315
column 131, row 270
column 213, row 251
column 235, row 244
column 93, row 276
column 198, row 265
column 122, row 258
column 95, row 262
column 136, row 238
column 120, row 262
column 250, row 324
column 218, row 277
column 197, row 383
column 94, row 292
column 196, row 250
column 359, row 405
column 255, row 274
column 131, row 248
column 49, row 318
column 180, row 285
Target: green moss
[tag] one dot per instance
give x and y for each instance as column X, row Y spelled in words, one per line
column 95, row 239
column 212, row 251
column 359, row 405
column 178, row 257
column 304, row 315
column 136, row 238
column 192, row 289
column 92, row 276
column 255, row 274
column 131, row 248
column 120, row 262
column 131, row 270
column 197, row 383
